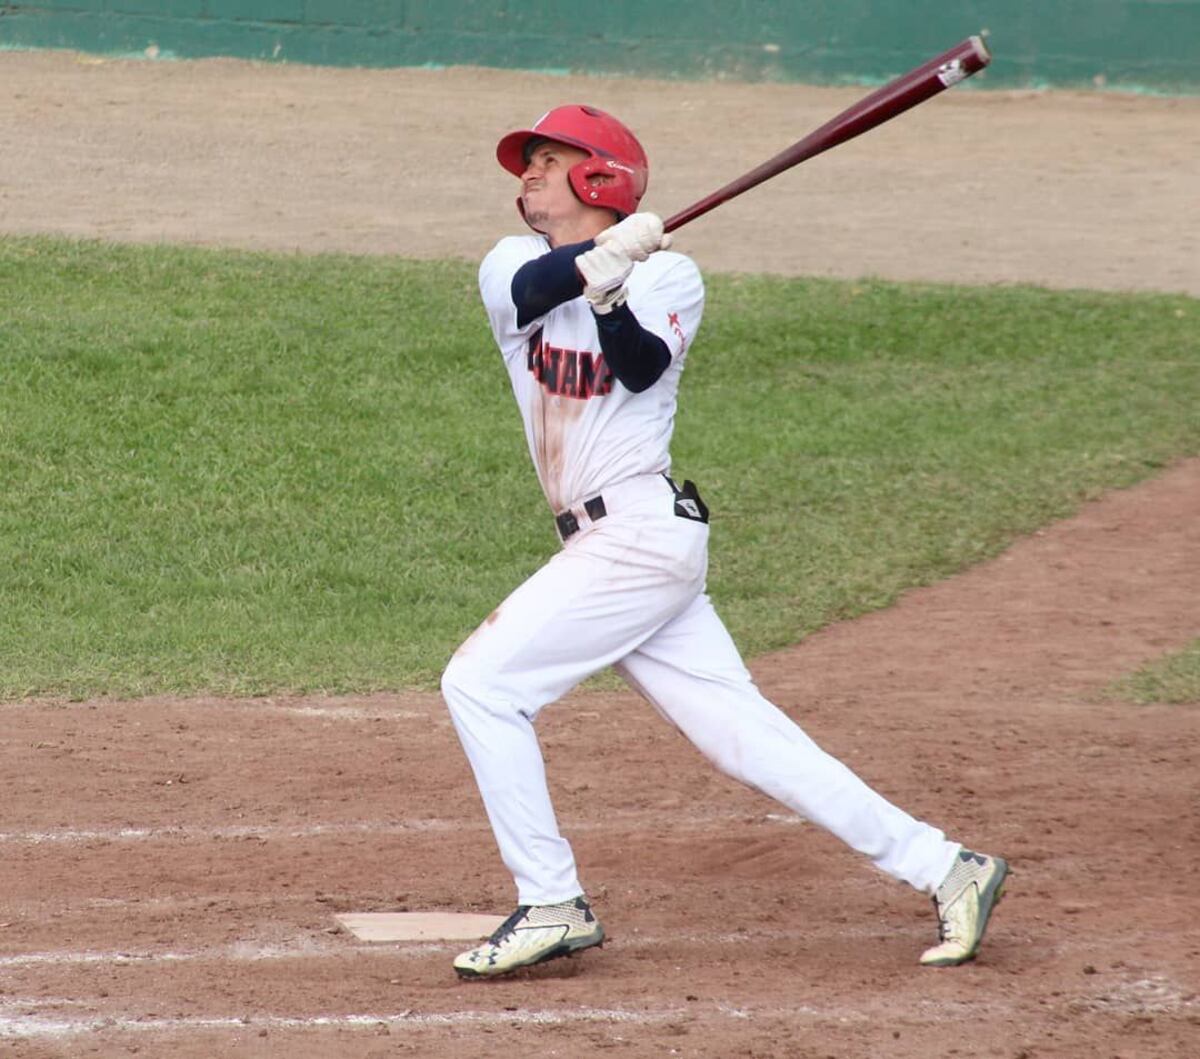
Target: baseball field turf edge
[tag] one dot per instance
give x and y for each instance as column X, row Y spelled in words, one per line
column 243, row 472
column 1173, row 679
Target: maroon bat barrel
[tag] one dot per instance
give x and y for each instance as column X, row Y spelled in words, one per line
column 883, row 104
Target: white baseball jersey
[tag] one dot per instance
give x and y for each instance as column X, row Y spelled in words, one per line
column 585, row 431
column 628, row 591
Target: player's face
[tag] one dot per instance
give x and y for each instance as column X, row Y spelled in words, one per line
column 550, row 204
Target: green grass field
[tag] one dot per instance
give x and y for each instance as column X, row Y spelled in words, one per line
column 244, row 473
column 1173, row 679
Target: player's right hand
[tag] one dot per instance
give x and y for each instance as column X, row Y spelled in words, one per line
column 638, row 235
column 604, row 270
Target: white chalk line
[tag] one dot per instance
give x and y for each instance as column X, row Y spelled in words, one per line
column 25, row 1019
column 340, row 944
column 20, row 1017
column 73, row 835
column 343, row 712
column 308, row 948
column 1153, row 995
column 41, row 1026
column 238, row 952
column 349, row 948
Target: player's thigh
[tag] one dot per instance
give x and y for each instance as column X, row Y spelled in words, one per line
column 693, row 674
column 692, row 649
column 579, row 613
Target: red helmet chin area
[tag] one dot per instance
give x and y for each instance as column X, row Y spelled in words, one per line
column 616, row 172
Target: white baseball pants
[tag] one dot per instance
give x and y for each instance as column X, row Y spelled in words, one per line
column 628, row 591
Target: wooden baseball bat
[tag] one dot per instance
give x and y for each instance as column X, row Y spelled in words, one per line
column 897, row 96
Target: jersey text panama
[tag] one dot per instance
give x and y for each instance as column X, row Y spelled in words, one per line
column 568, row 372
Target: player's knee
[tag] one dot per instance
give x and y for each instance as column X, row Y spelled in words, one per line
column 462, row 687
column 470, row 692
column 452, row 682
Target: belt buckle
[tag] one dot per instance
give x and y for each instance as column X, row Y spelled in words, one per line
column 568, row 524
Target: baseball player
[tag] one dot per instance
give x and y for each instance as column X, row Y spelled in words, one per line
column 594, row 315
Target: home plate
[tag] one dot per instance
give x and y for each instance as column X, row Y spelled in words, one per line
column 419, row 926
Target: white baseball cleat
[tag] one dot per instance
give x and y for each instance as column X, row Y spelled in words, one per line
column 964, row 903
column 533, row 933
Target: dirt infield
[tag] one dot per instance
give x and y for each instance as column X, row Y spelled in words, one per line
column 169, row 870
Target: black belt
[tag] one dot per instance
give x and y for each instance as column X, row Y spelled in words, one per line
column 688, row 505
column 568, row 524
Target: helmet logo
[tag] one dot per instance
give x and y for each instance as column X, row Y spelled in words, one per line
column 617, row 165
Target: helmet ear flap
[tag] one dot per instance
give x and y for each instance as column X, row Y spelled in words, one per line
column 607, row 183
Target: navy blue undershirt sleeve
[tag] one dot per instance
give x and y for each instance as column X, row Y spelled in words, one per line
column 636, row 356
column 541, row 284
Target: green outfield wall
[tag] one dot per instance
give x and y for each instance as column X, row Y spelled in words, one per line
column 1136, row 44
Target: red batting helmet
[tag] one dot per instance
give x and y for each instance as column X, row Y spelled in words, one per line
column 612, row 150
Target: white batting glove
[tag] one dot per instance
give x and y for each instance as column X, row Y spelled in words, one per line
column 638, row 235
column 604, row 270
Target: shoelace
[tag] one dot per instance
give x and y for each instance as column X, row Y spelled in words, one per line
column 509, row 925
column 944, row 917
column 937, row 908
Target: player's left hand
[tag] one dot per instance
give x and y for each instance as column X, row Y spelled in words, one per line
column 604, row 270
column 638, row 236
